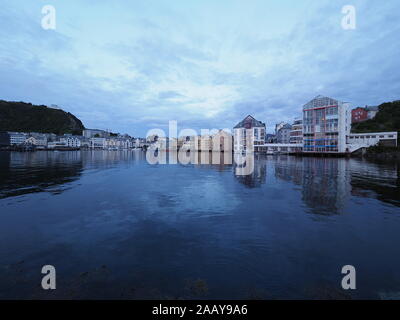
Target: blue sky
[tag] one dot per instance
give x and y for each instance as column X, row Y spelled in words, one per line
column 131, row 67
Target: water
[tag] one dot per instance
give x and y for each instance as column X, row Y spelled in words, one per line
column 115, row 226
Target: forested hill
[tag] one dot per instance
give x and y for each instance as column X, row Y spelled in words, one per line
column 387, row 119
column 26, row 117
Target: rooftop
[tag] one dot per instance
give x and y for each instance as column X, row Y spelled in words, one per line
column 321, row 101
column 249, row 122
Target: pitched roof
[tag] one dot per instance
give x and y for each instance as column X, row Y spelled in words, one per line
column 249, row 122
column 320, row 101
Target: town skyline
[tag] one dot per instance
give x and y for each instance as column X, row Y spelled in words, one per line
column 131, row 68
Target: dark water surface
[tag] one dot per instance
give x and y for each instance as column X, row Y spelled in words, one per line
column 115, row 226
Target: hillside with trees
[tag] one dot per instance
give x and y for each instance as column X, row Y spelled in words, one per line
column 26, row 117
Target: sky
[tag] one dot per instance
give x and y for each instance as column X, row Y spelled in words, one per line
column 132, row 66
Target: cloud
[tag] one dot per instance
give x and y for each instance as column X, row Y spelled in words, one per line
column 129, row 67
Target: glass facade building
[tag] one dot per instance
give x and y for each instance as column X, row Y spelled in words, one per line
column 326, row 123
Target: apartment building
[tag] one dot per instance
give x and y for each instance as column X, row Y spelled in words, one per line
column 248, row 134
column 71, row 141
column 17, row 138
column 296, row 134
column 38, row 140
column 326, row 124
column 283, row 133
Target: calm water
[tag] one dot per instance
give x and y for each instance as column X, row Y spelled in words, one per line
column 115, row 226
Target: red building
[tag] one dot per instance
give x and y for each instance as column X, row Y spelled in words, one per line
column 358, row 115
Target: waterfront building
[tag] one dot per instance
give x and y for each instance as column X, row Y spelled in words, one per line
column 283, row 133
column 95, row 133
column 71, row 141
column 139, row 143
column 38, row 140
column 56, row 144
column 248, row 134
column 17, row 138
column 326, row 125
column 357, row 141
column 188, row 142
column 97, row 143
column 296, row 134
column 217, row 141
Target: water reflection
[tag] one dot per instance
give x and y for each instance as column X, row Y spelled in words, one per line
column 121, row 227
column 325, row 184
column 376, row 179
column 258, row 175
column 29, row 172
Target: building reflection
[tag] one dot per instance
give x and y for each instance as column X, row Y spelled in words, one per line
column 257, row 176
column 325, row 182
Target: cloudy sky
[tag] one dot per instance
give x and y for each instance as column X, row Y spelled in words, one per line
column 205, row 63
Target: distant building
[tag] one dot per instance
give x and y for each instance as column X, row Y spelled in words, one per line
column 97, row 143
column 296, row 134
column 17, row 138
column 71, row 141
column 270, row 138
column 248, row 133
column 326, row 124
column 279, row 126
column 283, row 133
column 218, row 141
column 362, row 114
column 372, row 111
column 358, row 115
column 38, row 140
column 56, row 144
column 139, row 143
column 95, row 133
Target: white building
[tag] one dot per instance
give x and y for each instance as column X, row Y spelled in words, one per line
column 326, row 125
column 357, row 141
column 71, row 141
column 17, row 138
column 248, row 134
column 97, row 143
column 56, row 144
column 38, row 140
